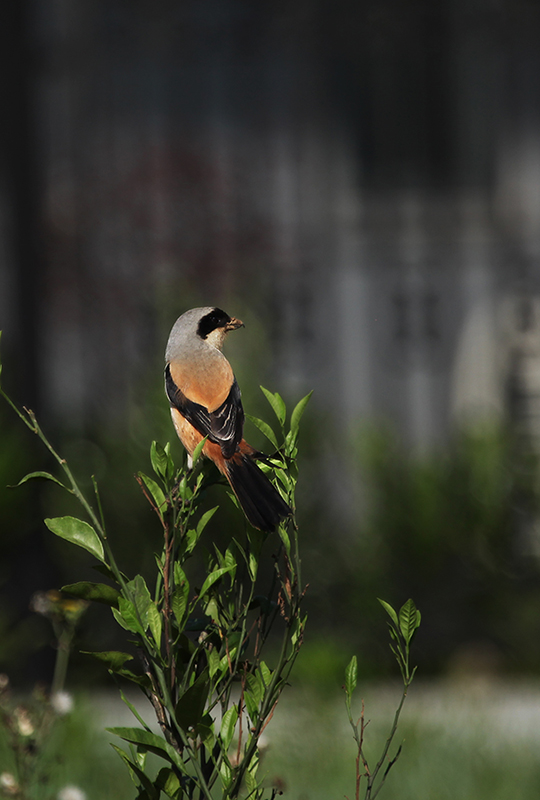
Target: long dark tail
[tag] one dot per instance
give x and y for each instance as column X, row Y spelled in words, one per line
column 260, row 500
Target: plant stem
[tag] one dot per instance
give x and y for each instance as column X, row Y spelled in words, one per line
column 371, row 779
column 62, row 658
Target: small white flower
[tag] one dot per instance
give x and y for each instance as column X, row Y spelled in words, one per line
column 24, row 722
column 71, row 793
column 62, row 703
column 40, row 603
column 8, row 783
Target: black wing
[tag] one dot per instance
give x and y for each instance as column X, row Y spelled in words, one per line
column 224, row 426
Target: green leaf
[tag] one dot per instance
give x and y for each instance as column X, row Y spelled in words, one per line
column 230, row 562
column 162, row 463
column 390, row 611
column 126, row 616
column 137, row 774
column 211, row 610
column 253, row 566
column 409, row 620
column 190, row 707
column 351, row 676
column 198, row 450
column 114, row 659
column 251, row 774
column 296, row 634
column 224, row 663
column 284, row 479
column 213, row 577
column 99, row 592
column 133, row 710
column 205, row 519
column 168, row 782
column 179, row 574
column 154, row 621
column 45, row 475
column 179, row 602
column 140, row 596
column 138, row 591
column 205, row 730
column 212, row 657
column 78, row 532
column 193, row 534
column 290, row 448
column 265, row 673
column 152, row 742
column 251, row 784
column 226, row 773
column 253, row 695
column 190, row 541
column 228, row 724
column 142, row 753
column 234, row 640
column 284, row 536
column 156, row 492
column 133, row 614
column 277, row 403
column 140, row 680
column 397, row 654
column 298, row 411
column 265, row 428
column 184, row 490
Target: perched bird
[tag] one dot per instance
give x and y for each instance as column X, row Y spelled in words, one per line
column 205, row 401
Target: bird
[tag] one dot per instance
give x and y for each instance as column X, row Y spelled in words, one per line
column 205, row 401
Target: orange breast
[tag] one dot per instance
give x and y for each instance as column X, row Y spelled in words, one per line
column 207, row 382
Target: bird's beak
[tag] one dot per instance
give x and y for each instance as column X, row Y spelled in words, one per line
column 233, row 324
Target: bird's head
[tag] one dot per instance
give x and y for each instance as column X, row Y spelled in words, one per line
column 199, row 327
column 214, row 324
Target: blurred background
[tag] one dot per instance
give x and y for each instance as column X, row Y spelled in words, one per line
column 360, row 183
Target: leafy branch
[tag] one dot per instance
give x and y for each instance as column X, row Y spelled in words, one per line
column 402, row 627
column 200, row 649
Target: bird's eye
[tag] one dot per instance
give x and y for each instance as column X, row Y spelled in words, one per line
column 214, row 319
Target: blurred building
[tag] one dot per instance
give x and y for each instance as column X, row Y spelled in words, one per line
column 365, row 177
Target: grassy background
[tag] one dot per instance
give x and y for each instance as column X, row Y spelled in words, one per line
column 467, row 739
column 471, row 741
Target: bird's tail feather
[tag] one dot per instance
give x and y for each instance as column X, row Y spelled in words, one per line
column 260, row 500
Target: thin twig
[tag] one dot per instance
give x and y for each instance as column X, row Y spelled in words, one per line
column 240, row 713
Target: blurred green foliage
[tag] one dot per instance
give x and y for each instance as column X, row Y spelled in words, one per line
column 457, row 529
